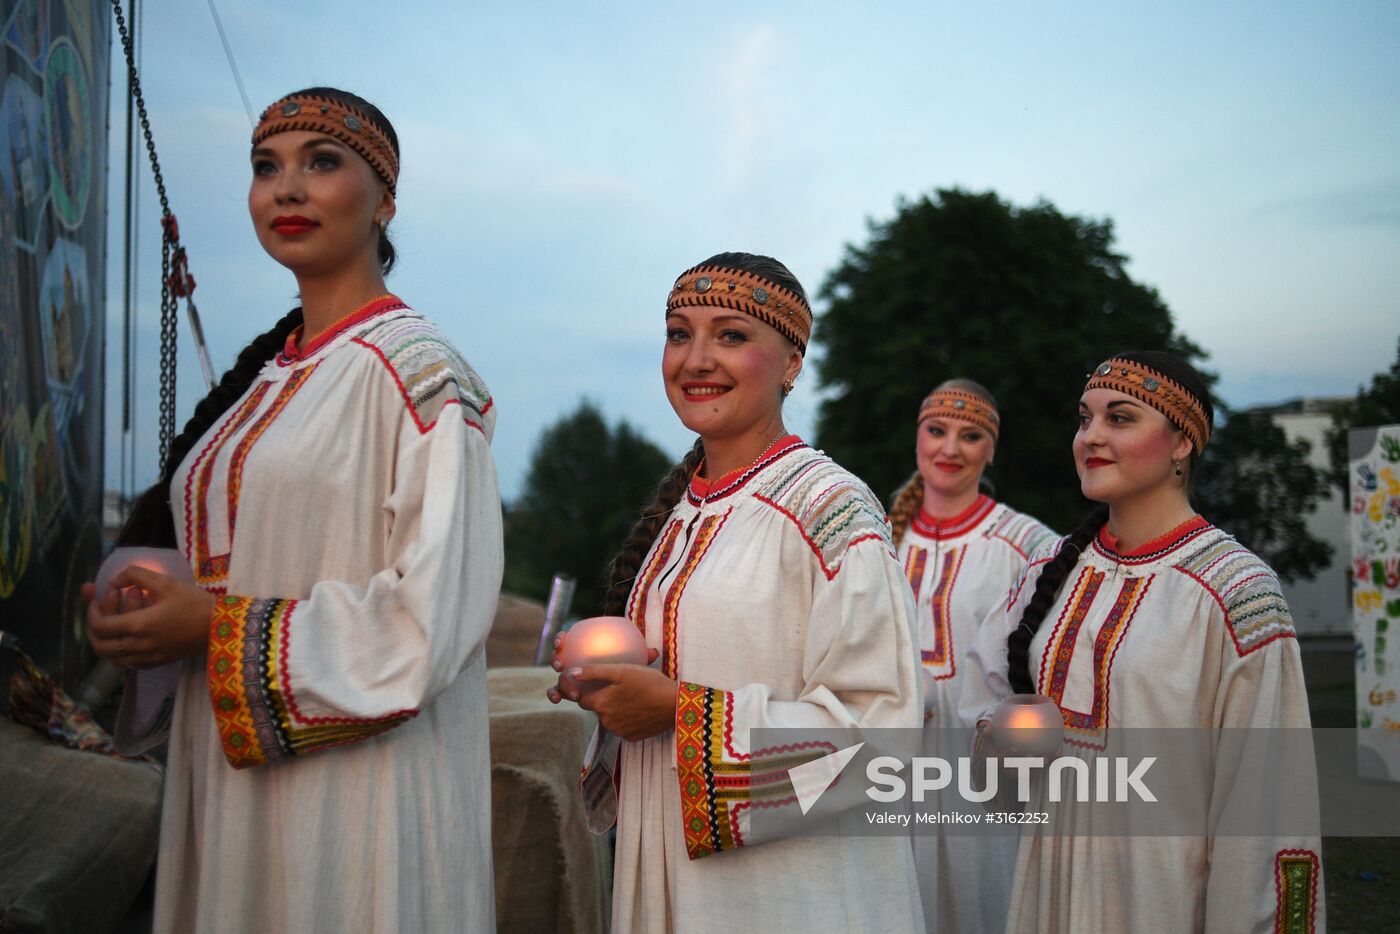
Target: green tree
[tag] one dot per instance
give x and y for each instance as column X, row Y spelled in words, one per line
column 582, row 491
column 1024, row 300
column 1259, row 486
column 1377, row 404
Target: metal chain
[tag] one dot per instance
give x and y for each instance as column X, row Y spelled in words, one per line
column 170, row 248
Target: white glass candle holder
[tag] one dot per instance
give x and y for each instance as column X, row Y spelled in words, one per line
column 166, row 561
column 1028, row 725
column 602, row 640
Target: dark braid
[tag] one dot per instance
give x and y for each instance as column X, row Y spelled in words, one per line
column 1047, row 587
column 906, row 505
column 622, row 570
column 151, row 521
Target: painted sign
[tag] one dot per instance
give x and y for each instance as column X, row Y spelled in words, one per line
column 53, row 187
column 1374, row 479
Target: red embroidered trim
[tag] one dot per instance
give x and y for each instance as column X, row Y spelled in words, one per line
column 709, row 491
column 408, row 401
column 1160, row 546
column 1240, row 651
column 670, row 607
column 210, row 569
column 244, row 447
column 284, row 639
column 637, row 612
column 1106, row 643
column 914, row 563
column 961, row 524
column 290, row 354
column 829, row 572
column 942, row 659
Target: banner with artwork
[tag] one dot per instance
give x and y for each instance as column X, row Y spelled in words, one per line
column 54, row 64
column 1375, row 596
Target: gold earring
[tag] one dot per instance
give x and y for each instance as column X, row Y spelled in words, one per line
column 787, row 387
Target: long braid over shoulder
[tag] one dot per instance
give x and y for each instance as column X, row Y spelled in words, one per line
column 623, row 568
column 1047, row 586
column 907, row 503
column 151, row 521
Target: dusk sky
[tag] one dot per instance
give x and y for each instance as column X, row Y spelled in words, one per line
column 562, row 163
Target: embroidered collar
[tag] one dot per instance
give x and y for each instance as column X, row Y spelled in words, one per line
column 1106, row 545
column 964, row 522
column 290, row 354
column 708, row 491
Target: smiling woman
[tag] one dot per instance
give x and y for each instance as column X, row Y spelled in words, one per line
column 961, row 552
column 764, row 581
column 1156, row 619
column 335, row 498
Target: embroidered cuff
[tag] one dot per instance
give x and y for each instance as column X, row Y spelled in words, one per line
column 254, row 709
column 1295, row 882
column 714, row 787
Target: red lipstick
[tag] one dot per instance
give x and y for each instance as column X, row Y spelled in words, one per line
column 1094, row 462
column 292, row 225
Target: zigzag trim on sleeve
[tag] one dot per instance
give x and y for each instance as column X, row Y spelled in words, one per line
column 1023, row 533
column 1246, row 589
column 429, row 372
column 832, row 509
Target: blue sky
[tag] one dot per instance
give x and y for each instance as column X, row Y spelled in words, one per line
column 562, row 162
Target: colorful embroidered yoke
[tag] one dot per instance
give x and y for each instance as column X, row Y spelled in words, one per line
column 1189, row 631
column 775, row 600
column 960, row 570
column 345, row 512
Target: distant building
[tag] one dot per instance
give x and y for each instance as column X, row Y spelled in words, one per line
column 1321, row 606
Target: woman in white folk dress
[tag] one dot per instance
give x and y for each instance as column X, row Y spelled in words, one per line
column 1147, row 616
column 349, row 445
column 961, row 551
column 764, row 580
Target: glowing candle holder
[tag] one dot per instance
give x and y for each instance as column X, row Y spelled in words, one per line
column 166, row 561
column 930, row 686
column 602, row 640
column 1028, row 725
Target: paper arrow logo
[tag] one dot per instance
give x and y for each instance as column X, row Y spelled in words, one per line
column 810, row 780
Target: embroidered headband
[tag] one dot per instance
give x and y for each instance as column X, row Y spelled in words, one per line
column 779, row 308
column 327, row 115
column 1158, row 390
column 959, row 403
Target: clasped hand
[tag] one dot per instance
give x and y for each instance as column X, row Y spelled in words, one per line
column 147, row 619
column 633, row 701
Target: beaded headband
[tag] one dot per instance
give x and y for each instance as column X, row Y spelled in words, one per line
column 327, row 115
column 779, row 308
column 959, row 403
column 1158, row 390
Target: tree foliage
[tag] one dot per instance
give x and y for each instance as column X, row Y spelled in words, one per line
column 582, row 491
column 1024, row 300
column 1377, row 404
column 1260, row 487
